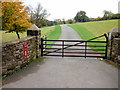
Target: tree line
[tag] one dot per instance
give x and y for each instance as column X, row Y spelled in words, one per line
column 108, row 15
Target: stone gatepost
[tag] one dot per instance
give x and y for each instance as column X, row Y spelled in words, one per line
column 116, row 50
column 35, row 31
column 114, row 45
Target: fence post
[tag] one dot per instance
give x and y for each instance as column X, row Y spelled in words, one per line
column 63, row 48
column 85, row 48
column 110, row 41
column 45, row 41
column 42, row 46
column 106, row 51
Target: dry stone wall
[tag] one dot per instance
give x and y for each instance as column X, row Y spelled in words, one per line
column 17, row 54
column 13, row 54
column 115, row 54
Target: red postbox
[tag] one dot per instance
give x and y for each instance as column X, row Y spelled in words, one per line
column 25, row 50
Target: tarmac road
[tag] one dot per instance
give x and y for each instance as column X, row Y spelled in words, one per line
column 68, row 72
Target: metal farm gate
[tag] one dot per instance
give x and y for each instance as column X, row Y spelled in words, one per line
column 75, row 48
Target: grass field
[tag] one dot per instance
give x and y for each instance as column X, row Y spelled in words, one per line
column 90, row 30
column 45, row 31
column 6, row 37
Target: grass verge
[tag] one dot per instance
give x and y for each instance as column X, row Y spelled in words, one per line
column 54, row 35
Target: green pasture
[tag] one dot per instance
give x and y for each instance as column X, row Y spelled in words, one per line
column 89, row 30
column 45, row 31
column 6, row 37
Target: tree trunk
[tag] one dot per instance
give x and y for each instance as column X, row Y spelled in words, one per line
column 18, row 34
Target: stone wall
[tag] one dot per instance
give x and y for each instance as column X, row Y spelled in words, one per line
column 114, row 45
column 115, row 53
column 13, row 54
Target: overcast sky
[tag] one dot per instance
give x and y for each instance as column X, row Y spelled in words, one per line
column 67, row 9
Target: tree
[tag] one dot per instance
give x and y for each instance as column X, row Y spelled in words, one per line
column 38, row 16
column 70, row 21
column 63, row 21
column 116, row 16
column 30, row 13
column 14, row 17
column 81, row 17
column 107, row 15
column 58, row 21
column 97, row 19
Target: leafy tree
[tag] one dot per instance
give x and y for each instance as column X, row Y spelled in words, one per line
column 38, row 16
column 97, row 19
column 55, row 22
column 63, row 21
column 30, row 13
column 58, row 21
column 81, row 17
column 70, row 21
column 116, row 16
column 14, row 17
column 107, row 15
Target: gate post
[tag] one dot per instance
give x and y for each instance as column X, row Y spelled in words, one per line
column 63, row 48
column 35, row 31
column 85, row 48
column 41, row 46
column 106, row 51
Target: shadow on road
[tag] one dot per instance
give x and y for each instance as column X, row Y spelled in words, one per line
column 31, row 68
